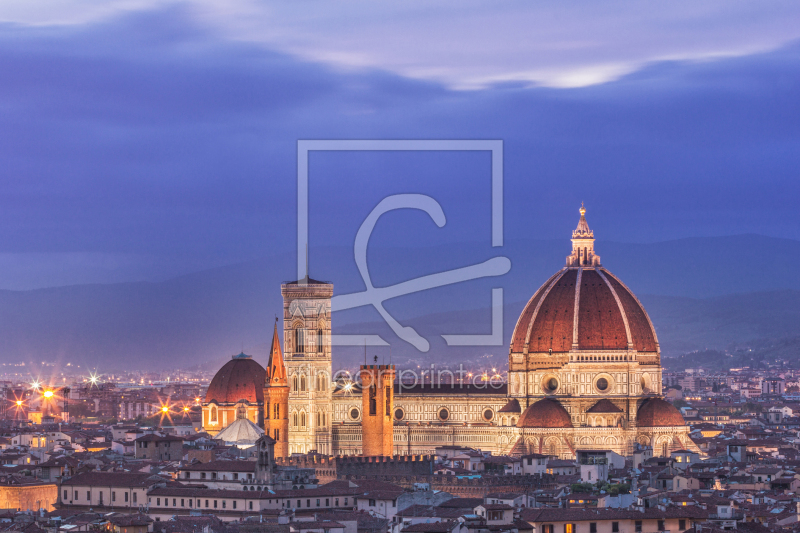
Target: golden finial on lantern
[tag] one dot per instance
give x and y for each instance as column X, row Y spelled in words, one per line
column 582, row 209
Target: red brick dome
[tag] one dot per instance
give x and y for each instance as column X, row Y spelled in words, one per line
column 585, row 307
column 241, row 378
column 656, row 412
column 546, row 413
column 608, row 315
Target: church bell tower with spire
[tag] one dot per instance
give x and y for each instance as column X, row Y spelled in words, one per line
column 276, row 398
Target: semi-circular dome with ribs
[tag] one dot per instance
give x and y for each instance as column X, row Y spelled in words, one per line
column 546, row 413
column 656, row 412
column 241, row 378
column 583, row 307
column 608, row 315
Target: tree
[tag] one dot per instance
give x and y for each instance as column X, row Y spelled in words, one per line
column 680, row 403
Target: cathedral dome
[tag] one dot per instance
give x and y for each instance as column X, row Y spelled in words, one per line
column 546, row 413
column 583, row 307
column 656, row 412
column 241, row 378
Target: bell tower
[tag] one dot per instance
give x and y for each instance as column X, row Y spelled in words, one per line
column 307, row 352
column 377, row 407
column 276, row 398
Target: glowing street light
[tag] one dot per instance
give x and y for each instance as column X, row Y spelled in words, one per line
column 185, row 409
column 48, row 394
column 36, row 384
column 19, row 403
column 165, row 409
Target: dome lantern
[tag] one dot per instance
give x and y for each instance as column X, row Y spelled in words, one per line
column 583, row 244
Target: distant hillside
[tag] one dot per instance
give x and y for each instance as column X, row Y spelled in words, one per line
column 711, row 292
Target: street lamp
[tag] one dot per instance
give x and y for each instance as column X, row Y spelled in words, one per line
column 48, row 394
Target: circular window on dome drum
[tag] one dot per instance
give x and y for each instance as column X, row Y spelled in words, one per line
column 399, row 414
column 488, row 414
column 604, row 383
column 645, row 383
column 550, row 384
column 444, row 414
column 354, row 413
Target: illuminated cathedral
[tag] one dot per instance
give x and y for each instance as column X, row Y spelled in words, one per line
column 584, row 372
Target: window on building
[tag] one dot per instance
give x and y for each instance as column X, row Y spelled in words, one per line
column 276, row 408
column 113, row 496
column 614, row 527
column 548, row 528
column 681, row 524
column 212, row 413
column 570, row 528
column 158, row 501
column 308, row 503
column 134, row 497
column 302, row 419
column 317, row 502
column 661, row 525
column 251, row 506
column 88, row 495
column 223, row 504
column 371, row 502
column 637, row 526
column 336, row 502
column 303, row 383
column 234, row 504
column 182, row 502
column 345, row 502
column 592, row 527
column 235, row 476
column 206, row 504
column 294, row 384
column 327, row 502
column 126, row 497
column 373, row 405
column 319, row 341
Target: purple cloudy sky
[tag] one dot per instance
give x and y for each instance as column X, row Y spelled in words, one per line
column 144, row 139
